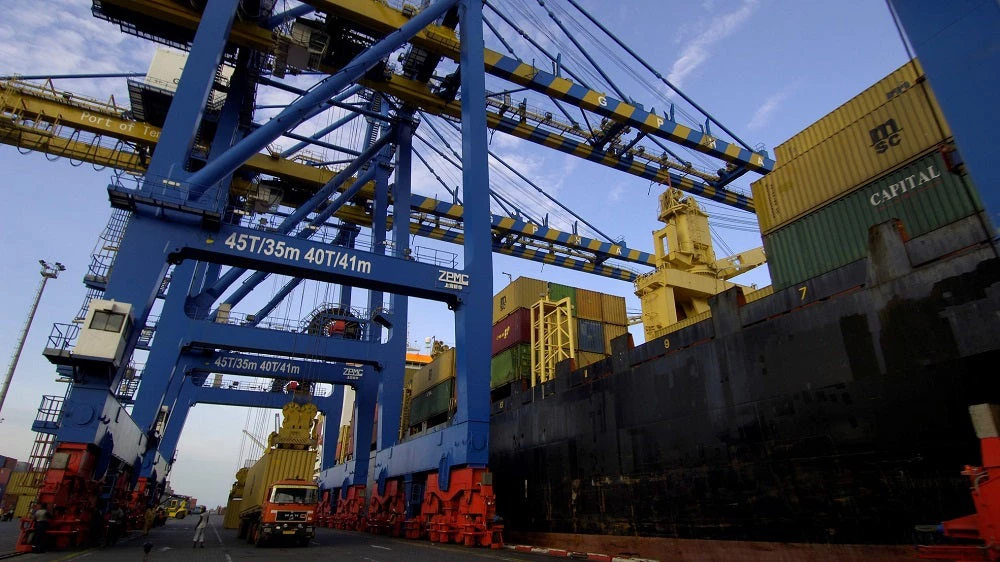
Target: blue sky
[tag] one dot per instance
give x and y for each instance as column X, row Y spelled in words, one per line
column 766, row 69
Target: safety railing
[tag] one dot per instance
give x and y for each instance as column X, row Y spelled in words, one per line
column 49, row 413
column 169, row 193
column 62, row 338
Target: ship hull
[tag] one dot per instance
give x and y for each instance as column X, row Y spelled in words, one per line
column 834, row 412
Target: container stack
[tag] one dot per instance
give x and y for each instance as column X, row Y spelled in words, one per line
column 885, row 154
column 21, row 489
column 432, row 391
column 598, row 318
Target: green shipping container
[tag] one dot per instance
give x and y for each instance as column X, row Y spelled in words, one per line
column 511, row 365
column 924, row 195
column 559, row 292
column 435, row 401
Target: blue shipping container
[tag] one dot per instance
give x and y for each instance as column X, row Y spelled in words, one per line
column 590, row 336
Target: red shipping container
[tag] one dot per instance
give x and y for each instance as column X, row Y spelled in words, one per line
column 512, row 330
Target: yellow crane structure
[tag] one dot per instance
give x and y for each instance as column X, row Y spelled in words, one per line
column 687, row 272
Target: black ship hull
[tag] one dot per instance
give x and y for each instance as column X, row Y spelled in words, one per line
column 833, row 412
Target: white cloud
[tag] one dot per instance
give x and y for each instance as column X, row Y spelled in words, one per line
column 75, row 42
column 763, row 114
column 616, row 192
column 698, row 49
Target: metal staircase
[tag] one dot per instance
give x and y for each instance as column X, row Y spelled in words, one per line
column 103, row 258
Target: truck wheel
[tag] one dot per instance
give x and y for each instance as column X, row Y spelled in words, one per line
column 242, row 532
column 258, row 537
column 251, row 532
column 181, row 514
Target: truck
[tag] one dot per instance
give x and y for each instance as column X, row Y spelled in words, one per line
column 280, row 497
column 177, row 506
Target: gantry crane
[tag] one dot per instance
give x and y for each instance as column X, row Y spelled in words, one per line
column 200, row 174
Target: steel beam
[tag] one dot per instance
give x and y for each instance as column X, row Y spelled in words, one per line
column 252, row 365
column 295, row 257
column 212, row 335
column 188, row 106
column 306, row 107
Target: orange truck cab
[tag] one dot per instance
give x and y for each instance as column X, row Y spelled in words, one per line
column 287, row 513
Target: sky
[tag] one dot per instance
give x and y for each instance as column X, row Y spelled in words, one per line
column 764, row 68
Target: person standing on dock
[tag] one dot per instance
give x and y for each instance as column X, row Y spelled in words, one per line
column 199, row 529
column 147, row 520
column 41, row 517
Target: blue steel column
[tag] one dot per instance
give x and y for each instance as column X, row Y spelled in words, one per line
column 176, row 419
column 364, row 421
column 958, row 45
column 473, row 316
column 136, row 279
column 188, row 106
column 160, row 385
column 331, row 427
column 394, row 372
column 161, row 379
column 379, row 222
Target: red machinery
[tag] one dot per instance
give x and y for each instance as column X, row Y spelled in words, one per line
column 350, row 512
column 69, row 486
column 387, row 511
column 984, row 525
column 465, row 514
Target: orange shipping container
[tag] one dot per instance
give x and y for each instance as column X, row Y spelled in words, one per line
column 893, row 134
column 614, row 310
column 589, row 305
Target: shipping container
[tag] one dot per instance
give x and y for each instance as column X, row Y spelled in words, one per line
column 512, row 330
column 589, row 305
column 231, row 520
column 275, row 465
column 900, row 130
column 23, row 506
column 584, row 358
column 590, row 336
column 559, row 292
column 614, row 310
column 924, row 196
column 854, row 109
column 434, row 401
column 521, row 293
column 611, row 332
column 435, row 372
column 24, row 483
column 511, row 365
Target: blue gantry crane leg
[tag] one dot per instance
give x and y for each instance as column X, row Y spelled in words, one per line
column 179, row 217
column 954, row 41
column 450, row 464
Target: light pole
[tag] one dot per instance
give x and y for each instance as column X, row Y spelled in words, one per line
column 48, row 272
